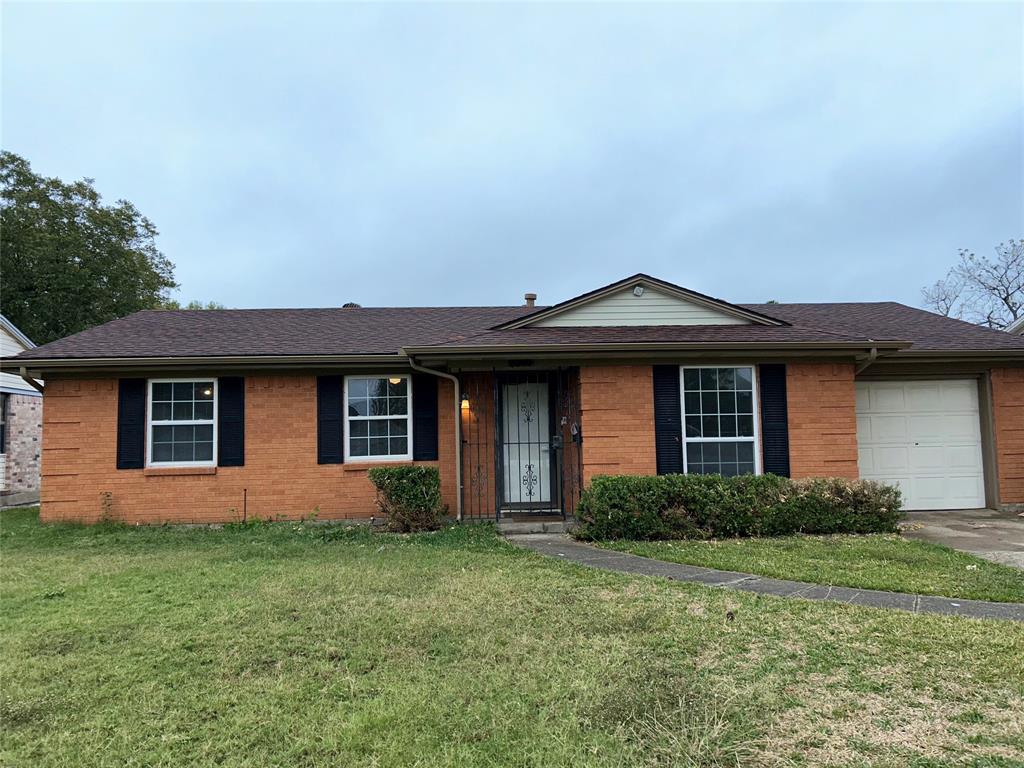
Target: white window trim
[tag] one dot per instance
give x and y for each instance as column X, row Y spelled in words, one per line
column 407, row 456
column 755, row 406
column 190, row 422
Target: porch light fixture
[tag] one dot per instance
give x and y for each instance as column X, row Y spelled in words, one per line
column 465, row 401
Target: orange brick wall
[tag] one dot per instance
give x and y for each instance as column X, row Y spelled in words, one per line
column 617, row 411
column 479, row 434
column 1008, row 413
column 281, row 476
column 822, row 420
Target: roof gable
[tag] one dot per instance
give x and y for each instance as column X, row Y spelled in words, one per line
column 642, row 300
column 11, row 331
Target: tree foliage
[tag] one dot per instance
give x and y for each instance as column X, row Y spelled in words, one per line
column 987, row 292
column 69, row 262
column 175, row 304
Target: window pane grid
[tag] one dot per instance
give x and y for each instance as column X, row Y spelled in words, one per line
column 182, row 422
column 718, row 420
column 377, row 416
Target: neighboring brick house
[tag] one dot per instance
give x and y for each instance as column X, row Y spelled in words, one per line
column 21, row 424
column 216, row 415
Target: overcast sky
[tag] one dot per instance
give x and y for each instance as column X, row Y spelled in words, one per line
column 308, row 155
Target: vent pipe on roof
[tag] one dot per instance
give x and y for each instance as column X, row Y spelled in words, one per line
column 531, row 299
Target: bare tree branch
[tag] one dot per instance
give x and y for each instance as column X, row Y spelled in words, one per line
column 982, row 291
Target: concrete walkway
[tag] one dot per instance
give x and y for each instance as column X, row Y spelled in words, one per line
column 565, row 548
column 996, row 536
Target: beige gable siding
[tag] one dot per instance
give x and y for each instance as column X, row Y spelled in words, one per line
column 10, row 346
column 652, row 308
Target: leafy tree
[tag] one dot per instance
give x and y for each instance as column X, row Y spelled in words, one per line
column 984, row 291
column 174, row 304
column 69, row 262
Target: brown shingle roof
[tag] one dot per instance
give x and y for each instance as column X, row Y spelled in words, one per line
column 386, row 331
column 890, row 320
column 656, row 334
column 243, row 332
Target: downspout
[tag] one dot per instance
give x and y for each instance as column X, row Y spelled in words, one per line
column 872, row 356
column 23, row 371
column 458, row 428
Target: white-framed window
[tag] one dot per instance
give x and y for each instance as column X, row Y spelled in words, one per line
column 181, row 428
column 720, row 426
column 378, row 418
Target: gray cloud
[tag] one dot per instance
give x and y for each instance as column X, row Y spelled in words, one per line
column 313, row 154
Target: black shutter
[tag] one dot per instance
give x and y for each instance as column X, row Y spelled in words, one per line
column 131, row 423
column 774, row 419
column 231, row 421
column 424, row 417
column 668, row 420
column 329, row 431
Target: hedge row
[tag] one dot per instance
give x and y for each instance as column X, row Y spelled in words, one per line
column 712, row 506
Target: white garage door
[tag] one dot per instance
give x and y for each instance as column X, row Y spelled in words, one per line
column 925, row 437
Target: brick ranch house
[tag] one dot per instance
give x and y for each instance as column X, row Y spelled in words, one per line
column 215, row 415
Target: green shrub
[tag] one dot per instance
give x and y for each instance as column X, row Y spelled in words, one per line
column 712, row 506
column 409, row 496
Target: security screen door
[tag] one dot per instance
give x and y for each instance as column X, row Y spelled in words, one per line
column 526, row 444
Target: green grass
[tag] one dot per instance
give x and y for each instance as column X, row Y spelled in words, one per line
column 305, row 645
column 887, row 562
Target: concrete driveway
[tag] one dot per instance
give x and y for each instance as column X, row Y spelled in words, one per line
column 997, row 536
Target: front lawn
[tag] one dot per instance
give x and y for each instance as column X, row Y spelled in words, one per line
column 887, row 562
column 305, row 645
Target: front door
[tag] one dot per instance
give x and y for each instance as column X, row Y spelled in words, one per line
column 526, row 446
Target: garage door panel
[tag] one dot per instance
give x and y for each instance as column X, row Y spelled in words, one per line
column 866, row 461
column 945, row 492
column 960, row 395
column 963, row 457
column 925, row 396
column 927, row 458
column 863, row 398
column 925, row 438
column 893, row 459
column 888, row 427
column 888, row 399
column 943, row 427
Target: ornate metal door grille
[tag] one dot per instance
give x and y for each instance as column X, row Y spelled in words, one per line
column 526, row 460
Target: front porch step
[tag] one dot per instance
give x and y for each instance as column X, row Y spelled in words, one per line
column 521, row 526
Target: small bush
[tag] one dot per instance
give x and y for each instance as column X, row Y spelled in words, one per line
column 712, row 506
column 409, row 496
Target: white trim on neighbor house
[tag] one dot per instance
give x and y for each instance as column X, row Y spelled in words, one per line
column 212, row 462
column 26, row 392
column 13, row 342
column 1016, row 327
column 407, row 456
column 755, row 405
column 12, row 329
